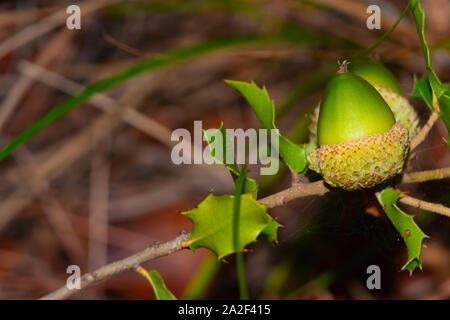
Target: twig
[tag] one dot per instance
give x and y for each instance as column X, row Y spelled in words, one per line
column 129, row 263
column 55, row 162
column 98, row 207
column 56, row 215
column 317, row 188
column 421, row 176
column 278, row 199
column 298, row 179
column 23, row 84
column 433, row 207
column 424, row 131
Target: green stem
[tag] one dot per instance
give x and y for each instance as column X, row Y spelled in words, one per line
column 243, row 289
column 242, row 281
column 384, row 36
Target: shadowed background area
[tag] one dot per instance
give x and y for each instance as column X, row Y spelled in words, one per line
column 99, row 184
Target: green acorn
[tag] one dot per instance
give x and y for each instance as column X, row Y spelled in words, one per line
column 382, row 79
column 361, row 145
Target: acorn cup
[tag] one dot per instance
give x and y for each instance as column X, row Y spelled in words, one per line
column 361, row 145
column 382, row 79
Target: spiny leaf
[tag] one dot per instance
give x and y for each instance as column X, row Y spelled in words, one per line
column 444, row 107
column 259, row 100
column 404, row 223
column 212, row 224
column 422, row 91
column 419, row 16
column 439, row 91
column 220, row 155
column 157, row 282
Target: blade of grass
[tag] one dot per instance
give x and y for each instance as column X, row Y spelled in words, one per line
column 285, row 34
column 144, row 66
column 243, row 289
column 180, row 7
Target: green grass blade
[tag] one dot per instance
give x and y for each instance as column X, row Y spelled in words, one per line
column 139, row 68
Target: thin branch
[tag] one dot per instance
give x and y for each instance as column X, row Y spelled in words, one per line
column 317, row 188
column 56, row 215
column 433, row 207
column 129, row 263
column 422, row 176
column 22, row 85
column 277, row 199
column 423, row 133
column 99, row 202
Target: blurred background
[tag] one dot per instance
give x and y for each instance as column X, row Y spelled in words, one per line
column 97, row 186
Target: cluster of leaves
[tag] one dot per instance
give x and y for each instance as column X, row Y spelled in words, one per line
column 214, row 220
column 430, row 88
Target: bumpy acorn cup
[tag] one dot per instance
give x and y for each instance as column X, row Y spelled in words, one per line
column 361, row 145
column 382, row 79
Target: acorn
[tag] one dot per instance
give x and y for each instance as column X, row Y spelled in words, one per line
column 360, row 143
column 384, row 81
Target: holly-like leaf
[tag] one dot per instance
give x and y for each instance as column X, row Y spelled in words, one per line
column 223, row 150
column 157, row 282
column 422, row 91
column 444, row 107
column 404, row 223
column 294, row 155
column 419, row 17
column 440, row 93
column 212, row 224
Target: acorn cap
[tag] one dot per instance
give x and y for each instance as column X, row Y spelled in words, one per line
column 362, row 163
column 351, row 109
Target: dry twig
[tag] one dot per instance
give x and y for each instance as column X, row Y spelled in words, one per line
column 423, row 133
column 422, row 176
column 420, row 204
column 117, row 267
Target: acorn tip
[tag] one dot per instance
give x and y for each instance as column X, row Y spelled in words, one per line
column 343, row 66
